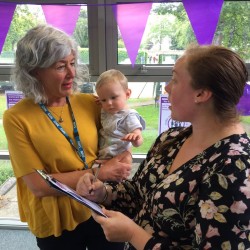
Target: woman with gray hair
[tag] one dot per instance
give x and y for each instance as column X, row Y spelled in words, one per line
column 43, row 133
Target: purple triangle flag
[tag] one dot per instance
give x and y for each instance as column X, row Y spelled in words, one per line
column 244, row 103
column 6, row 13
column 204, row 16
column 61, row 16
column 131, row 20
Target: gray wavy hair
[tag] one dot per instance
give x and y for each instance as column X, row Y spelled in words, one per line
column 41, row 47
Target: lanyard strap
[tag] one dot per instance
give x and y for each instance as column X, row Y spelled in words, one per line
column 79, row 148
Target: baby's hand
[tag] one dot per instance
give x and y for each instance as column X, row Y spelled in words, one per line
column 131, row 137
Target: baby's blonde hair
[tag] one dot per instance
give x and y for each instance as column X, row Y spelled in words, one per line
column 112, row 75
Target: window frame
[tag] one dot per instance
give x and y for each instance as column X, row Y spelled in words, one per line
column 102, row 29
column 152, row 73
column 149, row 73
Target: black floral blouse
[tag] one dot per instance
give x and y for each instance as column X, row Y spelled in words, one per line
column 204, row 204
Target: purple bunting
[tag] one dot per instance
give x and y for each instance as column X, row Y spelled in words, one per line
column 204, row 17
column 244, row 103
column 63, row 17
column 131, row 20
column 6, row 13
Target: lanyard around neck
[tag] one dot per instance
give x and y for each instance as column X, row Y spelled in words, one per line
column 79, row 148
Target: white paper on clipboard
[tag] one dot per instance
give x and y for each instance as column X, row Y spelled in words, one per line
column 70, row 192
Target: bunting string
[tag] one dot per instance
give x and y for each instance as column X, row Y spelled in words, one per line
column 138, row 12
column 87, row 4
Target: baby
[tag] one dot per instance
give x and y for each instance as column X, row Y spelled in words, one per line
column 121, row 126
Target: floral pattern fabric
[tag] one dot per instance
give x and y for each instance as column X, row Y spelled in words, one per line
column 204, row 204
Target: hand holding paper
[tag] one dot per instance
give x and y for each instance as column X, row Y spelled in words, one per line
column 70, row 192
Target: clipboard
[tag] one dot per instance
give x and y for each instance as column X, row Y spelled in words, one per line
column 54, row 183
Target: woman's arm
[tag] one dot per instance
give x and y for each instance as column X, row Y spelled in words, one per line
column 119, row 228
column 40, row 188
column 94, row 189
column 223, row 210
column 117, row 168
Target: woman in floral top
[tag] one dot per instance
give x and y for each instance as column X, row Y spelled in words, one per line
column 193, row 189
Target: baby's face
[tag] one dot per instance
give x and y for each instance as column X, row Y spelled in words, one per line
column 113, row 97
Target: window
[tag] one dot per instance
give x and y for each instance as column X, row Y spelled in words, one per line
column 27, row 16
column 167, row 33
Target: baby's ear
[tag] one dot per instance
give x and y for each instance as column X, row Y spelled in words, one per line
column 128, row 93
column 97, row 100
